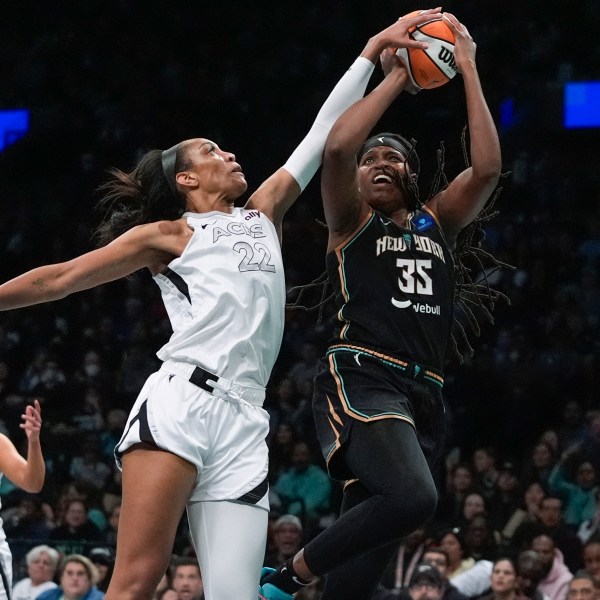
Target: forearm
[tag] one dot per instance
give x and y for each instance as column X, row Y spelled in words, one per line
column 35, row 470
column 306, row 159
column 486, row 157
column 34, row 287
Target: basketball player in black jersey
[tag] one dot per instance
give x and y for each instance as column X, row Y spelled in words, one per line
column 378, row 404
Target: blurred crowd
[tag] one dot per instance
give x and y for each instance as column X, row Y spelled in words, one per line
column 522, row 455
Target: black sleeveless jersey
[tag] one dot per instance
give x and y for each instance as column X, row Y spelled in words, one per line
column 394, row 289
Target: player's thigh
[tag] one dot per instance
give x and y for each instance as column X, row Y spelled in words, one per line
column 156, row 487
column 230, row 539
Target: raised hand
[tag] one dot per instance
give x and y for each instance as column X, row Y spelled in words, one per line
column 464, row 46
column 32, row 421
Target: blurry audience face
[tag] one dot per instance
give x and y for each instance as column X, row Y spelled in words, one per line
column 288, row 539
column 75, row 581
column 504, row 577
column 474, row 505
column 534, row 494
column 438, row 560
column 550, row 437
column 581, row 588
column 284, row 435
column 530, row 571
column 462, row 480
column 482, row 461
column 507, row 481
column 550, row 512
column 450, row 544
column 41, row 569
column 477, row 532
column 544, row 546
column 591, row 560
column 541, row 457
column 76, row 514
column 187, row 582
column 586, row 476
column 301, row 457
column 425, row 591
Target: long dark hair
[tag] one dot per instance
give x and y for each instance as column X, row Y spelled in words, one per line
column 141, row 196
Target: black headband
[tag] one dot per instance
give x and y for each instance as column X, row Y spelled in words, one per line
column 385, row 140
column 168, row 165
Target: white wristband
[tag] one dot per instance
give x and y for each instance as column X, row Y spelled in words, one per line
column 307, row 157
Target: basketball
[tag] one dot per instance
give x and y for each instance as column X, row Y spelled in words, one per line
column 435, row 66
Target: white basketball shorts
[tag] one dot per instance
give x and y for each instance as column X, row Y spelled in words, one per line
column 222, row 431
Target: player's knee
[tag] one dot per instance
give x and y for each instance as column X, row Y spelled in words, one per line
column 415, row 504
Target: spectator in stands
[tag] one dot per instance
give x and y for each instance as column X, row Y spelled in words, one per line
column 486, row 473
column 506, row 497
column 530, row 572
column 555, row 582
column 281, row 447
column 481, row 538
column 455, row 546
column 591, row 559
column 110, row 535
column 104, row 560
column 28, row 525
column 41, row 567
column 87, row 467
column 504, row 581
column 550, row 522
column 528, row 512
column 187, row 579
column 436, row 557
column 77, row 533
column 427, row 583
column 582, row 587
column 305, row 488
column 287, row 538
column 539, row 465
column 580, row 497
column 474, row 504
column 460, row 484
column 77, row 576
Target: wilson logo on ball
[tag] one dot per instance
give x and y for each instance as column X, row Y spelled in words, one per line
column 435, row 66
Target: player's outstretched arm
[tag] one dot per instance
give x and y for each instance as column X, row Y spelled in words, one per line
column 137, row 248
column 277, row 194
column 28, row 473
column 466, row 195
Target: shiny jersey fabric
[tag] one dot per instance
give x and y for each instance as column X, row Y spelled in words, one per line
column 394, row 288
column 225, row 296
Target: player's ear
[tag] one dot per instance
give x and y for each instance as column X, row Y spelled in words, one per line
column 187, row 179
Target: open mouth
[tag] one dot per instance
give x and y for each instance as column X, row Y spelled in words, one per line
column 381, row 179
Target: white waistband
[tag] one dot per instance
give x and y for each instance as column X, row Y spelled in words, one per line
column 222, row 388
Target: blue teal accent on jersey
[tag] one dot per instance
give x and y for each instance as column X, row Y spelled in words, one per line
column 424, row 221
column 408, row 239
column 417, row 370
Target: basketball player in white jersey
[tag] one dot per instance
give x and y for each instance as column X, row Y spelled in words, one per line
column 195, row 437
column 27, row 473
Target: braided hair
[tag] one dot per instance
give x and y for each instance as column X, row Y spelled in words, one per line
column 474, row 298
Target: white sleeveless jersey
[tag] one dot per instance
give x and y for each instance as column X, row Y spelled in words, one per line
column 225, row 296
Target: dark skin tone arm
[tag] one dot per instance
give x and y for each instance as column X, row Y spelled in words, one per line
column 457, row 205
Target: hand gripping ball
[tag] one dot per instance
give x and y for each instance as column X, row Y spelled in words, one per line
column 435, row 66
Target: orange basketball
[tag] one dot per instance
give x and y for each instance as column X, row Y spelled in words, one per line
column 435, row 66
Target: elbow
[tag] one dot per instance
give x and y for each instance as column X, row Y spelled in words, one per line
column 34, row 487
column 489, row 175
